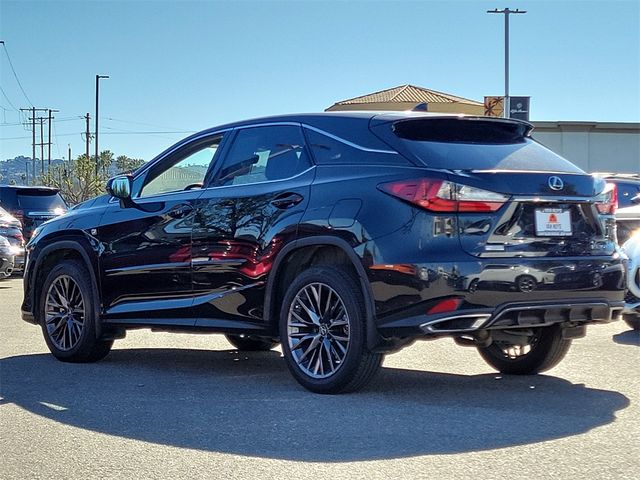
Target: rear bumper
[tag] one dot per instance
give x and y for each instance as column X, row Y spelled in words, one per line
column 508, row 316
column 500, row 293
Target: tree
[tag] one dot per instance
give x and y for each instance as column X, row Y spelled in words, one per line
column 126, row 164
column 78, row 180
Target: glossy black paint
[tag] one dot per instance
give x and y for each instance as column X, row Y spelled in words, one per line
column 213, row 259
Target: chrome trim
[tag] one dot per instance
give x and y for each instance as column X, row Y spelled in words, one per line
column 136, row 269
column 177, row 146
column 481, row 319
column 347, row 142
column 44, row 214
column 541, row 199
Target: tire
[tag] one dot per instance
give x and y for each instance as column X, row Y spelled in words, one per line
column 250, row 343
column 546, row 349
column 633, row 321
column 68, row 316
column 325, row 350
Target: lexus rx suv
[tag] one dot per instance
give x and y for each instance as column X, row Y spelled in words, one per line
column 341, row 236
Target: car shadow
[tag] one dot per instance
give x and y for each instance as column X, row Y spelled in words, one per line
column 630, row 337
column 248, row 404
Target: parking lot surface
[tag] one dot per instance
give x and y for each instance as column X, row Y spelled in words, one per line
column 189, row 406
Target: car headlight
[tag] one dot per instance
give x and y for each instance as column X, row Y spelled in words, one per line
column 16, row 250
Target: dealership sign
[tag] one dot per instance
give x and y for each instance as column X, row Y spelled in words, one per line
column 519, row 108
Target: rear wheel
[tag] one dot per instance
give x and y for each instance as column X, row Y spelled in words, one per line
column 250, row 343
column 322, row 330
column 542, row 350
column 68, row 316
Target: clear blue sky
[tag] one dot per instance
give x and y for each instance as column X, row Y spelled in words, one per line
column 184, row 66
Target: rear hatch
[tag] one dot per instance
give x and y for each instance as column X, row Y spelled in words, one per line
column 36, row 205
column 511, row 195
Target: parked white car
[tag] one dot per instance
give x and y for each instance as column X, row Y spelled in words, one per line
column 632, row 299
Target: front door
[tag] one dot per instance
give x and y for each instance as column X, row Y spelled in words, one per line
column 146, row 262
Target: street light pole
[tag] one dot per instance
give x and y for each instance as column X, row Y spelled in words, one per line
column 506, row 12
column 98, row 77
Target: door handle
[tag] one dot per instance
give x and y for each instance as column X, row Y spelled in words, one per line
column 180, row 211
column 286, row 200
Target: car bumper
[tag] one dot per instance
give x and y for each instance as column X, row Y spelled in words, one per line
column 496, row 294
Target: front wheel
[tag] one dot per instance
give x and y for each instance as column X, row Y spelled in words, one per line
column 543, row 349
column 322, row 331
column 68, row 316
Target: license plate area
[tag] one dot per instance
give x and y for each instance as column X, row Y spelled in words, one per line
column 553, row 222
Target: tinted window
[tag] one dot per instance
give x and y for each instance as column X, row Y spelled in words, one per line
column 40, row 201
column 327, row 150
column 626, row 192
column 476, row 145
column 182, row 170
column 263, row 154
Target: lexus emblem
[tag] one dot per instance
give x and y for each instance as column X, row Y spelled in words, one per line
column 556, row 183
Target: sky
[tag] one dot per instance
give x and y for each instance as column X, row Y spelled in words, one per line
column 177, row 67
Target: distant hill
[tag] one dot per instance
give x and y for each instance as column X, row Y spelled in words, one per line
column 13, row 171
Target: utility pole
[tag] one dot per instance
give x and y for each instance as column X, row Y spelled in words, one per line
column 98, row 77
column 33, row 119
column 87, row 136
column 41, row 146
column 33, row 158
column 49, row 140
column 506, row 12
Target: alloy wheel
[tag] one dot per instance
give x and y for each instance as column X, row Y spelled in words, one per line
column 64, row 313
column 318, row 330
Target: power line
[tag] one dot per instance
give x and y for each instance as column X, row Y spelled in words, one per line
column 108, row 133
column 15, row 74
column 7, row 99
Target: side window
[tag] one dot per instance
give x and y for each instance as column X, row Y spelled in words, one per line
column 261, row 154
column 329, row 151
column 186, row 170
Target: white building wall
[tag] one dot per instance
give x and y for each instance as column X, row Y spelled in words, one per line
column 594, row 147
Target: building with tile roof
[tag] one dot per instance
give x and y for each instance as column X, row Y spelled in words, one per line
column 409, row 97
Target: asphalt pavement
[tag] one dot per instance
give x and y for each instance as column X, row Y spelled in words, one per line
column 189, row 406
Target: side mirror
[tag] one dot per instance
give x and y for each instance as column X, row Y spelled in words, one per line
column 120, row 187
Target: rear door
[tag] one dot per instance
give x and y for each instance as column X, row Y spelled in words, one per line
column 249, row 211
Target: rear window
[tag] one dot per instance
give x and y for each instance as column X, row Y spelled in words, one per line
column 40, row 201
column 457, row 144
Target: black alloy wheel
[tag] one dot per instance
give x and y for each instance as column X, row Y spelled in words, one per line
column 322, row 329
column 68, row 315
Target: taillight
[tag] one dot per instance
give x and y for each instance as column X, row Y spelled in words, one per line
column 607, row 201
column 444, row 196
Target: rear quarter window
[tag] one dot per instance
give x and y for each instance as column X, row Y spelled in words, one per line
column 331, row 151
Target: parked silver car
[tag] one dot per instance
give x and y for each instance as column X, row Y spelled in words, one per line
column 631, row 313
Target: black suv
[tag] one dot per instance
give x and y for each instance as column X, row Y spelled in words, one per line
column 343, row 236
column 32, row 205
